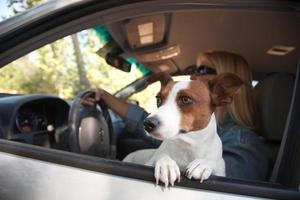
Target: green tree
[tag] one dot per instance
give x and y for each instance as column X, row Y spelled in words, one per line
column 21, row 5
column 83, row 80
column 64, row 67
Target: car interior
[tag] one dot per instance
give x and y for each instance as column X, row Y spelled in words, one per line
column 169, row 42
column 176, row 39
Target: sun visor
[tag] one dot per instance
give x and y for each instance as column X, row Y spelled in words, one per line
column 145, row 31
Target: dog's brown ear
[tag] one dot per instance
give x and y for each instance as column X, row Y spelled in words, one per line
column 224, row 87
column 163, row 77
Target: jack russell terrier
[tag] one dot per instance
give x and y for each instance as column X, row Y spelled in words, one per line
column 186, row 123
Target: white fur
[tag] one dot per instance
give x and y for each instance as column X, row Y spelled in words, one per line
column 199, row 153
column 169, row 114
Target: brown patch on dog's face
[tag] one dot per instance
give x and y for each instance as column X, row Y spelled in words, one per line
column 195, row 106
column 163, row 93
column 188, row 106
column 203, row 96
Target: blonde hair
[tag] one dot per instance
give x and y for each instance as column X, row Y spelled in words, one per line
column 242, row 109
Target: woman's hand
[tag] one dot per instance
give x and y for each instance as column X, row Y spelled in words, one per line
column 116, row 105
column 90, row 101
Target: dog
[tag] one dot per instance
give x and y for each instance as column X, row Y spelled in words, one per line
column 186, row 123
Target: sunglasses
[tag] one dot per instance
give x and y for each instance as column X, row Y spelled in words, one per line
column 205, row 70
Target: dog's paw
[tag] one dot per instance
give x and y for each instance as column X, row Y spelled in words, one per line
column 199, row 170
column 167, row 171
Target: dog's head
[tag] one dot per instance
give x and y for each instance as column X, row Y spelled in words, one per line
column 187, row 106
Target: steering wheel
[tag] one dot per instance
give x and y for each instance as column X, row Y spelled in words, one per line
column 90, row 128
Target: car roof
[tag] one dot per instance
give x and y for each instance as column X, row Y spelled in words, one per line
column 249, row 28
column 250, row 33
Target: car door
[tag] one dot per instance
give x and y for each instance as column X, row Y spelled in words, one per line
column 32, row 172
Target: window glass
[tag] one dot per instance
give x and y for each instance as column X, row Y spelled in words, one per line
column 9, row 8
column 65, row 67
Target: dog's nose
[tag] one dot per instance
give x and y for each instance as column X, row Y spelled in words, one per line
column 150, row 124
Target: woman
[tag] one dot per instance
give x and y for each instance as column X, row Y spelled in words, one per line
column 242, row 147
column 242, row 108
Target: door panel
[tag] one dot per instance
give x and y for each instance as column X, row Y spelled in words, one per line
column 26, row 178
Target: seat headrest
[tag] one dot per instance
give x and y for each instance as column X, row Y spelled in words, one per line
column 273, row 95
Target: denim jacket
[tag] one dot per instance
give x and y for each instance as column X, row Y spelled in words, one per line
column 243, row 149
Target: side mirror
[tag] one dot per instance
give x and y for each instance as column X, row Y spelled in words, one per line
column 118, row 62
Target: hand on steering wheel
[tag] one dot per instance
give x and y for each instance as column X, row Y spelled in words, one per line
column 91, row 101
column 90, row 126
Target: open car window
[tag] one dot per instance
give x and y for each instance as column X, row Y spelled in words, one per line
column 64, row 68
column 96, row 44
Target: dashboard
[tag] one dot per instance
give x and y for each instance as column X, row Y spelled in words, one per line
column 35, row 119
column 30, row 120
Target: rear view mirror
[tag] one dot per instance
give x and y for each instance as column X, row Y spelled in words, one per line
column 118, row 62
column 111, row 52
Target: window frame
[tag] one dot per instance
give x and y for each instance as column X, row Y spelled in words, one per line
column 81, row 15
column 145, row 173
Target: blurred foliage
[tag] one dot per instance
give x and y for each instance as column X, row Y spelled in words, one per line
column 53, row 69
column 18, row 6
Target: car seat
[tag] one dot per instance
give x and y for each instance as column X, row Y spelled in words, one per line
column 273, row 96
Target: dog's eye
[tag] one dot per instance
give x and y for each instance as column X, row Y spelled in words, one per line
column 185, row 100
column 158, row 101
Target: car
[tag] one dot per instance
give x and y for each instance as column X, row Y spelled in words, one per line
column 43, row 153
